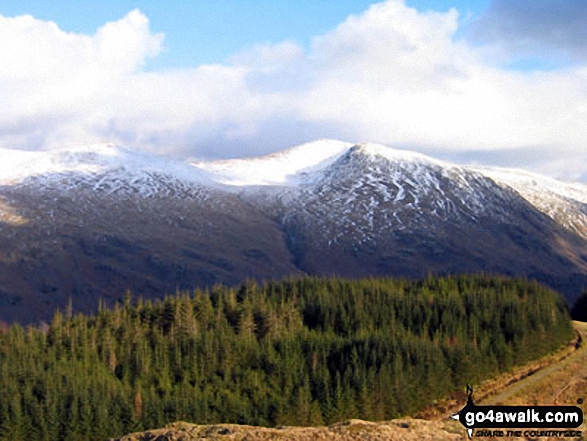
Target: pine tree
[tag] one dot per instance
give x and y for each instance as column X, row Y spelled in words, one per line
column 300, row 351
column 579, row 311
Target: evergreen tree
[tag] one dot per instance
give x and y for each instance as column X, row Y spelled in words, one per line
column 300, row 351
column 579, row 311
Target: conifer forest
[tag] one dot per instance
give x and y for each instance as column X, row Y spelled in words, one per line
column 302, row 351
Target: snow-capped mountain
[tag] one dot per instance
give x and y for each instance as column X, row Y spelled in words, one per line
column 565, row 202
column 403, row 213
column 94, row 221
column 357, row 181
column 104, row 168
column 292, row 167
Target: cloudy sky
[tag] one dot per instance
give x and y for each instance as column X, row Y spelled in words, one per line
column 489, row 81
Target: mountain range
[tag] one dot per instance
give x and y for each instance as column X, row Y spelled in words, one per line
column 84, row 224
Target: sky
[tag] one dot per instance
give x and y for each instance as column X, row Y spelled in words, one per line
column 490, row 82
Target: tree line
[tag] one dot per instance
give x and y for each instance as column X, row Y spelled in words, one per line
column 302, row 351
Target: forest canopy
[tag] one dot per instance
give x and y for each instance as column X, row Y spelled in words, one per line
column 303, row 351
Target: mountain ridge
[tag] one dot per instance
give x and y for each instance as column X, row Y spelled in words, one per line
column 91, row 222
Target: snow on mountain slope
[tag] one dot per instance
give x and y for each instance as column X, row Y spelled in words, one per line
column 301, row 165
column 106, row 168
column 96, row 220
column 397, row 181
column 372, row 191
column 356, row 184
column 286, row 168
column 565, row 202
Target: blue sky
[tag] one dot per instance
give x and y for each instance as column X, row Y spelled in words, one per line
column 206, row 31
column 495, row 82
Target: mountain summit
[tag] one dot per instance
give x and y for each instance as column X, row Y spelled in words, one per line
column 91, row 222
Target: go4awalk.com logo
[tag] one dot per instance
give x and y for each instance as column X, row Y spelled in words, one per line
column 555, row 418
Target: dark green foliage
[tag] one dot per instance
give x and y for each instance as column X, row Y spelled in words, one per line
column 579, row 311
column 303, row 351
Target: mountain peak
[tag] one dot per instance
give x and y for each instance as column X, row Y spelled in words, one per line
column 65, row 168
column 92, row 221
column 396, row 155
column 299, row 164
column 284, row 168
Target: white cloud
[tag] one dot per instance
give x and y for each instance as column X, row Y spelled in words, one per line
column 391, row 75
column 43, row 66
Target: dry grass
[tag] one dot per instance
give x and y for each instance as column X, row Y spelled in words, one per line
column 489, row 388
column 352, row 430
column 560, row 382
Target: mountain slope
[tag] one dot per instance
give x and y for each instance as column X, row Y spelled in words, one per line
column 99, row 224
column 564, row 202
column 391, row 212
column 94, row 221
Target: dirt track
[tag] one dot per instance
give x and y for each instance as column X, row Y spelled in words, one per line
column 560, row 383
